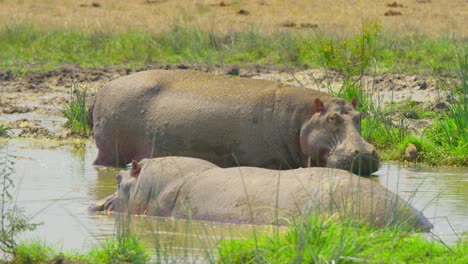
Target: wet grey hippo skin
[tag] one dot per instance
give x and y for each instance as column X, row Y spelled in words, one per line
column 229, row 121
column 254, row 195
column 159, row 173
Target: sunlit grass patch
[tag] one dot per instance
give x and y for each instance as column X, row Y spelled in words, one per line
column 318, row 240
column 76, row 111
column 123, row 249
column 4, row 130
column 34, row 251
column 446, row 140
column 29, row 48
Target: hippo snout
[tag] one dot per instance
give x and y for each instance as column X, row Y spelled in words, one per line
column 359, row 161
column 107, row 204
column 365, row 163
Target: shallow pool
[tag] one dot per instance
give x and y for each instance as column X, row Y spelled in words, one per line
column 55, row 183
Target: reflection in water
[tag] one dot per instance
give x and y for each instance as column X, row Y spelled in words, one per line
column 440, row 192
column 56, row 182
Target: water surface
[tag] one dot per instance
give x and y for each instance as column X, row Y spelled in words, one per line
column 440, row 192
column 55, row 183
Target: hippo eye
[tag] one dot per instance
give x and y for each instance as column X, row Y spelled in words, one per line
column 357, row 119
column 334, row 119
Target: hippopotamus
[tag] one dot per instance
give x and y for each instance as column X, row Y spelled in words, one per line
column 162, row 170
column 229, row 121
column 189, row 188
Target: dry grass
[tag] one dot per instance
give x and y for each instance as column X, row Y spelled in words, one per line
column 339, row 16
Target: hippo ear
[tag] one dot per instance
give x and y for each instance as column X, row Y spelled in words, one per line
column 135, row 170
column 318, row 106
column 354, row 102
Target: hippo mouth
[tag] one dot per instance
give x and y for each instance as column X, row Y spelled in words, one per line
column 365, row 164
column 104, row 205
column 362, row 164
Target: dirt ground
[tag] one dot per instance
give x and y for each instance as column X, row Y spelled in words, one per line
column 429, row 17
column 31, row 104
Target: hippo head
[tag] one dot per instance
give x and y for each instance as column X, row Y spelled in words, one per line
column 118, row 202
column 129, row 197
column 332, row 138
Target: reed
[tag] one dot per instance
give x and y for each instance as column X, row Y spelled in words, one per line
column 76, row 111
column 327, row 240
column 13, row 220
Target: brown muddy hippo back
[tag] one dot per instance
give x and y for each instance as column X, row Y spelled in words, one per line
column 229, row 121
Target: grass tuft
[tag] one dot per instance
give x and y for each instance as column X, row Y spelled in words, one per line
column 328, row 240
column 127, row 249
column 4, row 131
column 35, row 251
column 450, row 133
column 76, row 111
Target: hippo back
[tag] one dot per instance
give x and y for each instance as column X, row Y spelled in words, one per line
column 261, row 196
column 136, row 192
column 228, row 121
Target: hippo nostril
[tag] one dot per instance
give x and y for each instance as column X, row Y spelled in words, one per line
column 374, row 153
column 356, row 151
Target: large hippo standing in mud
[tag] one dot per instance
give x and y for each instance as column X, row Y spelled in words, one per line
column 169, row 187
column 230, row 121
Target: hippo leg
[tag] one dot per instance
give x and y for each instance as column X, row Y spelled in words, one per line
column 103, row 159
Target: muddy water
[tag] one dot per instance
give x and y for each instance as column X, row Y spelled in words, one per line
column 56, row 182
column 440, row 192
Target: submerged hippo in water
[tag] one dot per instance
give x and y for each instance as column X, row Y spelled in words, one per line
column 230, row 121
column 169, row 187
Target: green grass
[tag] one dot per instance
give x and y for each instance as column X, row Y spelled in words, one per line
column 312, row 240
column 125, row 246
column 34, row 251
column 450, row 132
column 340, row 241
column 127, row 249
column 26, row 48
column 76, row 111
column 445, row 142
column 3, row 131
